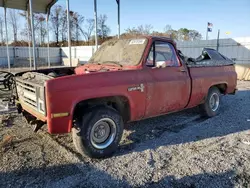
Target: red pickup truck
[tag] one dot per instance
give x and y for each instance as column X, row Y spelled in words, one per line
column 125, row 80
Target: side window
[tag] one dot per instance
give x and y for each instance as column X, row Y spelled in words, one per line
column 164, row 55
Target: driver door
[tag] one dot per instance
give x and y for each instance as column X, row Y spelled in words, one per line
column 168, row 83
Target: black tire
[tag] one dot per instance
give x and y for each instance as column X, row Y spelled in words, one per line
column 206, row 108
column 83, row 140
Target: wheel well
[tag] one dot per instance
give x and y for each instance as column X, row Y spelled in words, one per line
column 221, row 87
column 119, row 103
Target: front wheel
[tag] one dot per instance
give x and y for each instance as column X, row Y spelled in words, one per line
column 99, row 133
column 212, row 103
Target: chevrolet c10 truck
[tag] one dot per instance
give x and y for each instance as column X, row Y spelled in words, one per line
column 125, row 80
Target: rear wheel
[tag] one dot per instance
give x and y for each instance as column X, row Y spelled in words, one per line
column 212, row 103
column 99, row 133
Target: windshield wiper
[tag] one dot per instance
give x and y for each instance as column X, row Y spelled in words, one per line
column 93, row 63
column 112, row 62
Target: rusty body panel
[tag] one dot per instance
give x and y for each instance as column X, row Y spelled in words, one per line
column 149, row 91
column 168, row 90
column 205, row 77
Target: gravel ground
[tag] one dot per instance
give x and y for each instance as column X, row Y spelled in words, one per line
column 177, row 150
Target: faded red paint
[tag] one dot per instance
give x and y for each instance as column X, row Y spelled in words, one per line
column 205, row 77
column 166, row 89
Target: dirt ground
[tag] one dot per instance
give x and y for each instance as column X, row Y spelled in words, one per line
column 177, row 150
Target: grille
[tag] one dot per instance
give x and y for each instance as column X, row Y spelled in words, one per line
column 31, row 95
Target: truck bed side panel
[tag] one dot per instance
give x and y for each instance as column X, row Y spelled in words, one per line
column 205, row 77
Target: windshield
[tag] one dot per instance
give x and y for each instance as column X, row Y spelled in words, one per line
column 121, row 52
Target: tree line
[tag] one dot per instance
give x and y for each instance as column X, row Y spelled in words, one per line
column 82, row 29
column 182, row 34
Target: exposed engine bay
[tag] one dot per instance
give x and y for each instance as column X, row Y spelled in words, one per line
column 30, row 86
column 51, row 73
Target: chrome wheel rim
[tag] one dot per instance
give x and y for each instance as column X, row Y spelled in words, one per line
column 214, row 101
column 103, row 133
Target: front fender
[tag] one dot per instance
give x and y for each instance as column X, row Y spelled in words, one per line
column 57, row 106
column 81, row 99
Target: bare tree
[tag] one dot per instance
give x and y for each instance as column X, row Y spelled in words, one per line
column 170, row 32
column 26, row 30
column 40, row 27
column 1, row 29
column 103, row 30
column 194, row 35
column 56, row 21
column 145, row 30
column 167, row 29
column 89, row 27
column 13, row 20
column 64, row 25
column 132, row 31
column 77, row 21
column 140, row 30
column 59, row 24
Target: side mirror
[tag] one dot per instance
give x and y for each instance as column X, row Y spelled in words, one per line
column 160, row 64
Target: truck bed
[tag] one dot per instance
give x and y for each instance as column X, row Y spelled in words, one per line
column 203, row 77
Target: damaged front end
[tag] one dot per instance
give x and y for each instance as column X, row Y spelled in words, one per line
column 30, row 90
column 31, row 95
column 23, row 94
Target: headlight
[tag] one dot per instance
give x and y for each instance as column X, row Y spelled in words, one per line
column 41, row 106
column 41, row 99
column 40, row 92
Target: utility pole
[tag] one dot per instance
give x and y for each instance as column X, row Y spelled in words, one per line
column 33, row 34
column 218, row 40
column 1, row 27
column 7, row 42
column 48, row 47
column 207, row 34
column 118, row 17
column 69, row 33
column 95, row 15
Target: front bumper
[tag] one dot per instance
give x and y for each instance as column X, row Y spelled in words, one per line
column 22, row 106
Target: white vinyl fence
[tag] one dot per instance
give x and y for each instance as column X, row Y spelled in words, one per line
column 19, row 56
column 83, row 53
column 237, row 49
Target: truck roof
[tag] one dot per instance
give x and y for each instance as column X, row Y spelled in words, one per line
column 152, row 37
column 158, row 37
